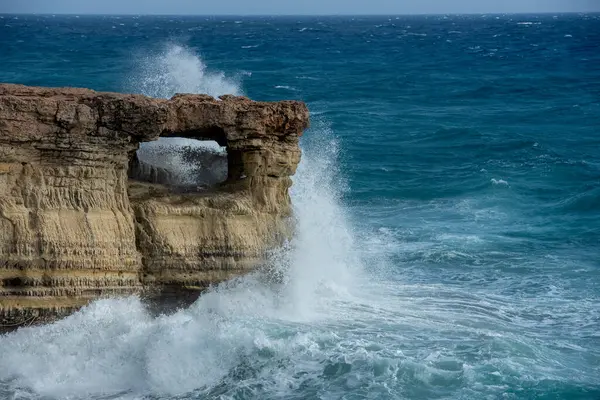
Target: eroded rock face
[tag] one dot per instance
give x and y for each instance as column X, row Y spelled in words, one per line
column 73, row 227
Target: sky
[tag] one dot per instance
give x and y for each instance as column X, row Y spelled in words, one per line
column 302, row 7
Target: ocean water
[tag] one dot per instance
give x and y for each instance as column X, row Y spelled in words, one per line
column 447, row 206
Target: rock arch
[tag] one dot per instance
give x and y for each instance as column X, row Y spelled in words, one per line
column 81, row 229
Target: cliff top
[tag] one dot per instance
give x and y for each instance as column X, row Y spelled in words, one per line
column 197, row 116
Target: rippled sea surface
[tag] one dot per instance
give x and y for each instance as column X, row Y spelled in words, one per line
column 448, row 207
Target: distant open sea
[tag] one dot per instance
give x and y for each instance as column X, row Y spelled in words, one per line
column 448, row 209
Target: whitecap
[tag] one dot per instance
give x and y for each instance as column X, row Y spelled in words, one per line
column 286, row 87
column 457, row 237
column 567, row 35
column 499, row 182
column 250, row 47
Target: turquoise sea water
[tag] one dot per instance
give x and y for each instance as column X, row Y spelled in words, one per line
column 448, row 208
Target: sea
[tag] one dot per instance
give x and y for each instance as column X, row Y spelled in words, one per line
column 447, row 211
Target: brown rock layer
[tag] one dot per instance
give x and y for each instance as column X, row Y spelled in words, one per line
column 73, row 227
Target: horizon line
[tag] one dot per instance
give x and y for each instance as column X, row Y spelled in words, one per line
column 300, row 15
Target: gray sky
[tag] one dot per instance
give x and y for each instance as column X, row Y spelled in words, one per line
column 242, row 7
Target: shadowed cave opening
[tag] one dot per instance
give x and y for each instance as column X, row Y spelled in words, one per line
column 181, row 163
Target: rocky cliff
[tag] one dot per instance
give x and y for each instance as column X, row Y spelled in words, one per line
column 75, row 227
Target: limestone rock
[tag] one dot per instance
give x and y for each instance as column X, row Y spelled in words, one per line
column 73, row 227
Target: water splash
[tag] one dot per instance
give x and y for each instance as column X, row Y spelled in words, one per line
column 178, row 69
column 190, row 163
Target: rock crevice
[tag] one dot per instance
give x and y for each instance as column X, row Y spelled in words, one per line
column 75, row 227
